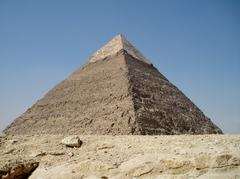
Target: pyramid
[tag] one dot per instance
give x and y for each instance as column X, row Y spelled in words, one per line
column 118, row 92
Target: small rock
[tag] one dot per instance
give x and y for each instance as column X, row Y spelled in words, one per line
column 129, row 147
column 70, row 154
column 9, row 151
column 55, row 153
column 36, row 154
column 13, row 141
column 142, row 170
column 72, row 141
column 105, row 146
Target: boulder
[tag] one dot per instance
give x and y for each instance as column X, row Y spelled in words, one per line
column 72, row 141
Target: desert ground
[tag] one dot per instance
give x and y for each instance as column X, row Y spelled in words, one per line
column 176, row 156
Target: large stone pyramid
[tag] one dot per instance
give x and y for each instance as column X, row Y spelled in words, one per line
column 118, row 91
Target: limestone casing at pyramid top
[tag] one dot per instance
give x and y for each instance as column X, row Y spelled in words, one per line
column 115, row 45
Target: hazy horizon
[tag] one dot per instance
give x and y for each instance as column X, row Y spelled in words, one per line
column 195, row 44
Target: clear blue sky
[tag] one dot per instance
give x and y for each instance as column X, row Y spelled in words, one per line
column 194, row 43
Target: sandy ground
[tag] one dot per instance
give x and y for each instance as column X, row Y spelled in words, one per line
column 182, row 156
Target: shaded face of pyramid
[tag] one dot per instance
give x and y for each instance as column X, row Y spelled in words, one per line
column 118, row 91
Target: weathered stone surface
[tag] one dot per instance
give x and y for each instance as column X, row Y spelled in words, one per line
column 129, row 156
column 118, row 91
column 18, row 169
column 72, row 141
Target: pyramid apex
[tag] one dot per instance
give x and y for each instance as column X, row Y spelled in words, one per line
column 119, row 42
column 120, row 36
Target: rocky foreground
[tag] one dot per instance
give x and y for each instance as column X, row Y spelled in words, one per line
column 182, row 156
